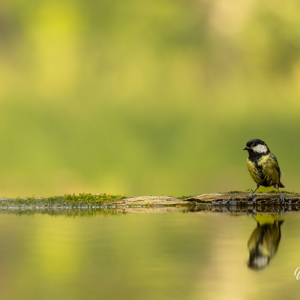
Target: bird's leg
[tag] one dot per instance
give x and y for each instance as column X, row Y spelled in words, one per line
column 252, row 215
column 281, row 196
column 251, row 196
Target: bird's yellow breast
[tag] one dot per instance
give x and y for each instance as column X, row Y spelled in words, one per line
column 264, row 171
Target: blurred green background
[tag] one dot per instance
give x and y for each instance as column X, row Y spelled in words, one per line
column 137, row 97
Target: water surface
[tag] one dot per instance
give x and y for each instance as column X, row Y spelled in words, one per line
column 177, row 255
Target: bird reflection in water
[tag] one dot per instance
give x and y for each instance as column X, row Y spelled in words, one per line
column 264, row 240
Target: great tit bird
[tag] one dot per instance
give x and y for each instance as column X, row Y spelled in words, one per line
column 263, row 166
column 264, row 242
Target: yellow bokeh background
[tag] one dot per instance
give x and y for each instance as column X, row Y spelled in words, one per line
column 145, row 98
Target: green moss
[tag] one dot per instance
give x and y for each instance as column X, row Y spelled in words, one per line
column 68, row 200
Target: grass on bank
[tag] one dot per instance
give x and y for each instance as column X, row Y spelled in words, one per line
column 68, row 200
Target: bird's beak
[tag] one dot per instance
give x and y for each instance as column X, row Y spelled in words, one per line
column 246, row 148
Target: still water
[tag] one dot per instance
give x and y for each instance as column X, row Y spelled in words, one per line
column 177, row 255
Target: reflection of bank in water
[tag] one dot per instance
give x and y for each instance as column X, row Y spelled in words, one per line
column 264, row 241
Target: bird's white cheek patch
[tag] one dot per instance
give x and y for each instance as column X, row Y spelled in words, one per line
column 260, row 149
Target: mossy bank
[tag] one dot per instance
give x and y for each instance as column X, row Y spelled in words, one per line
column 87, row 201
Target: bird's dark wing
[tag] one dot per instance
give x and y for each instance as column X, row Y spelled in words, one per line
column 274, row 157
column 274, row 169
column 280, row 184
column 276, row 165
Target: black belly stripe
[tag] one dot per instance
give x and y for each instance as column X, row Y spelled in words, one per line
column 260, row 173
column 263, row 178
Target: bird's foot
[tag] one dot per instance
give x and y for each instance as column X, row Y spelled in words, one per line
column 282, row 198
column 251, row 196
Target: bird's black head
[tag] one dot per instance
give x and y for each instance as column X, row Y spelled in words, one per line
column 257, row 147
column 258, row 261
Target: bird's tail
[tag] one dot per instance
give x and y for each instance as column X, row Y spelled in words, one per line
column 280, row 185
